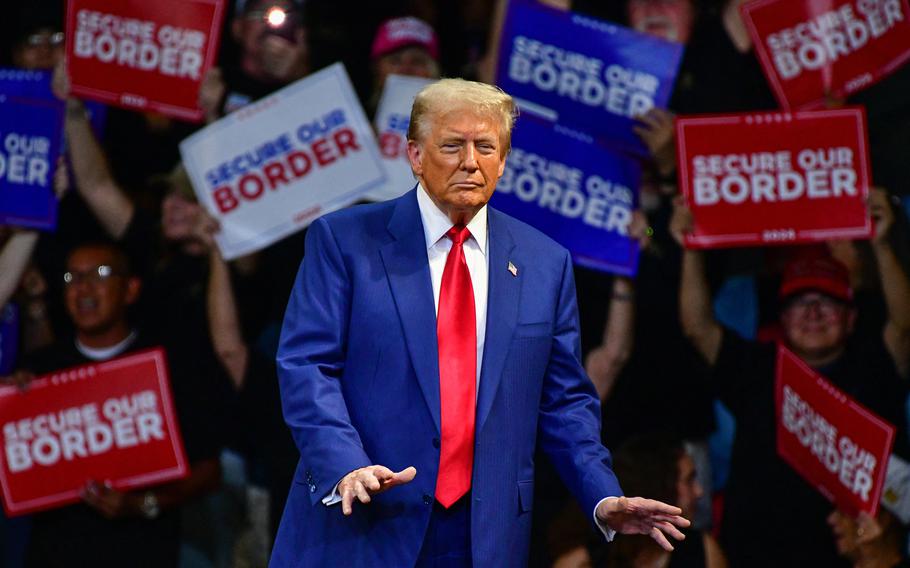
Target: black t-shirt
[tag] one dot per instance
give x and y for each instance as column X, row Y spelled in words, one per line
column 77, row 535
column 768, row 508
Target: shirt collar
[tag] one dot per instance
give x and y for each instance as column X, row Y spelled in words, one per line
column 436, row 223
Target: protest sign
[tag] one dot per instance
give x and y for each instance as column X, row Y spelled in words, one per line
column 274, row 166
column 392, row 118
column 810, row 50
column 836, row 444
column 583, row 73
column 775, row 178
column 31, row 133
column 580, row 194
column 111, row 421
column 9, row 338
column 142, row 55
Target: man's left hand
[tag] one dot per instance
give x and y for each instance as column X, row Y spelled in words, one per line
column 636, row 515
column 109, row 502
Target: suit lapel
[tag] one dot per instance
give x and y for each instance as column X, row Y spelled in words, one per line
column 502, row 313
column 405, row 261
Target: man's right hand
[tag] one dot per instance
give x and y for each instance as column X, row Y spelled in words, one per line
column 20, row 378
column 362, row 483
column 681, row 222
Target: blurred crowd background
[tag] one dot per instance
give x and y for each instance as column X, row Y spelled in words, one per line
column 682, row 338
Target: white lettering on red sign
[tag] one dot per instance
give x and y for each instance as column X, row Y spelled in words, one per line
column 822, row 173
column 139, row 44
column 83, row 431
column 853, row 465
column 817, row 43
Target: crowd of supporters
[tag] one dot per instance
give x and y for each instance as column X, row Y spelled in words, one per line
column 133, row 264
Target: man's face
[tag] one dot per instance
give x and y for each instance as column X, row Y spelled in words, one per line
column 42, row 49
column 97, row 293
column 413, row 61
column 250, row 28
column 668, row 19
column 459, row 161
column 816, row 326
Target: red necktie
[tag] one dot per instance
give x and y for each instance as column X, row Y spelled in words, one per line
column 456, row 332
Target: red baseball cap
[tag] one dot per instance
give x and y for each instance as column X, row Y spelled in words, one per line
column 397, row 33
column 819, row 273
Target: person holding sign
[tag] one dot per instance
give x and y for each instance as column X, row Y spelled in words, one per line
column 765, row 496
column 111, row 527
column 415, row 409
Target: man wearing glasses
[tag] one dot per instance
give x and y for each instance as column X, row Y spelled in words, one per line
column 110, row 526
column 818, row 321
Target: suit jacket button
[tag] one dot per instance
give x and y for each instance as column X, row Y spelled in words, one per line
column 435, row 442
column 427, row 499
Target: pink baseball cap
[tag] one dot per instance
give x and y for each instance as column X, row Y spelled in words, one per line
column 397, row 33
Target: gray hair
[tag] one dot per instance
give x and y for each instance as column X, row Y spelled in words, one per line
column 448, row 94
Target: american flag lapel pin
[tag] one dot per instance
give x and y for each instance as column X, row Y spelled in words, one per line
column 513, row 269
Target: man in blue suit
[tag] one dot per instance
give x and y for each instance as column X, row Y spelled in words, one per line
column 430, row 345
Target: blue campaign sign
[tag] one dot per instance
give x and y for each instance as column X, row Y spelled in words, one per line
column 31, row 131
column 9, row 338
column 584, row 73
column 576, row 191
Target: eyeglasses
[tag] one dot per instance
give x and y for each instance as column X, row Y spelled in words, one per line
column 826, row 305
column 37, row 40
column 98, row 275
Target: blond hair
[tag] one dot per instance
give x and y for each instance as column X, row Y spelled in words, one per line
column 449, row 94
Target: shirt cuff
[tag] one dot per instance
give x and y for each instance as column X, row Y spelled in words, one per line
column 334, row 497
column 607, row 531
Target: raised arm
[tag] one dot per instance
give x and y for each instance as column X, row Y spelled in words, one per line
column 94, row 180
column 221, row 306
column 895, row 283
column 14, row 257
column 696, row 314
column 606, row 361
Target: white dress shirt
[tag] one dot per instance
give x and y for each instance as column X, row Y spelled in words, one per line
column 435, row 226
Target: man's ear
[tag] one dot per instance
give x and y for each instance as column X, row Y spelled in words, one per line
column 415, row 157
column 851, row 319
column 133, row 288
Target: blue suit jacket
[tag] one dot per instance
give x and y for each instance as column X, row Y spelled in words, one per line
column 359, row 377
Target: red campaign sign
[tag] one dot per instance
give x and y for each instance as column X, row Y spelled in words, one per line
column 142, row 55
column 809, row 49
column 836, row 444
column 111, row 421
column 775, row 178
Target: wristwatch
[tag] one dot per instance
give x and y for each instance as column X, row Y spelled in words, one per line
column 150, row 507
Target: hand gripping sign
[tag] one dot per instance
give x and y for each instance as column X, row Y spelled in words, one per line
column 392, row 118
column 777, row 178
column 274, row 166
column 112, row 421
column 31, row 132
column 580, row 194
column 142, row 55
column 810, row 49
column 583, row 73
column 836, row 444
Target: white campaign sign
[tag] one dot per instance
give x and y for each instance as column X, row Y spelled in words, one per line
column 392, row 118
column 273, row 167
